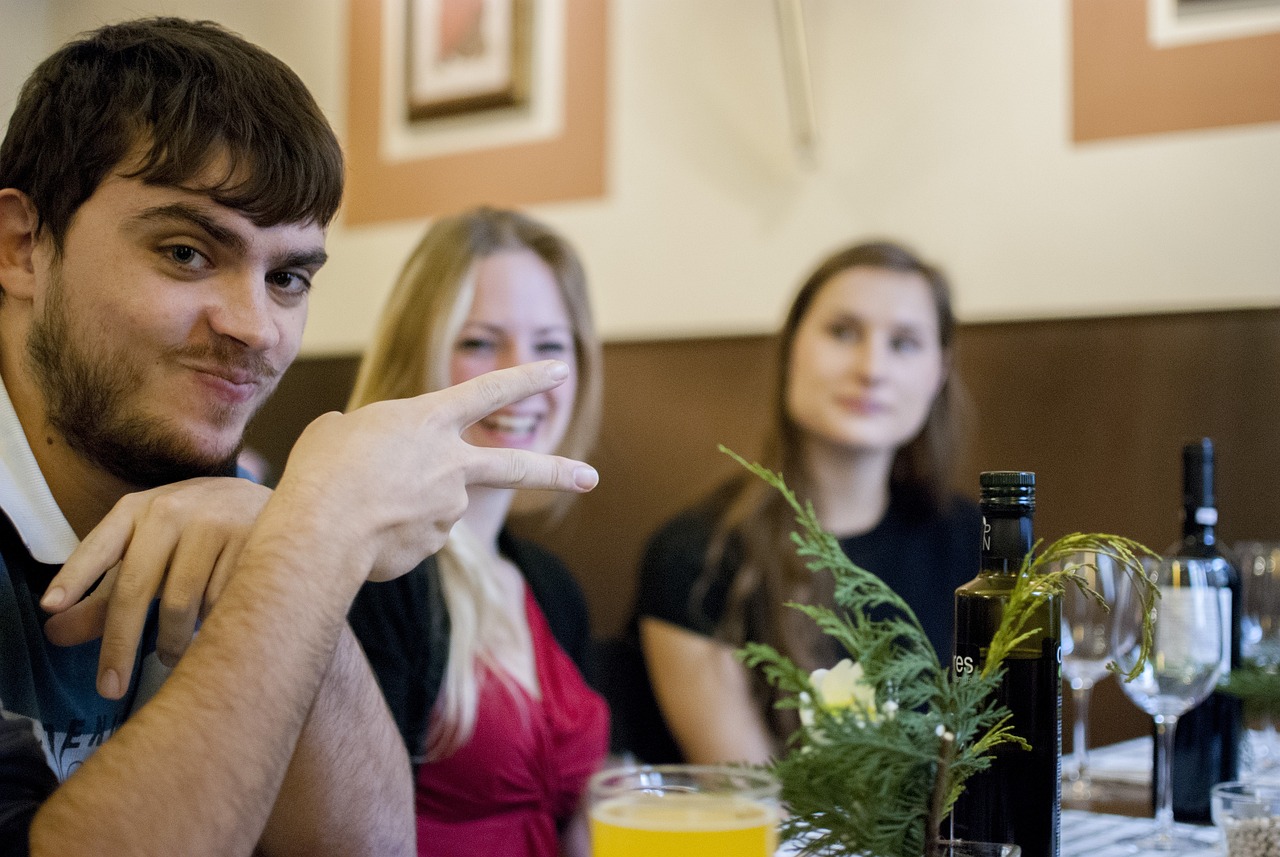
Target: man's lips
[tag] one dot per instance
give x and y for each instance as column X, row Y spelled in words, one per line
column 232, row 383
column 231, row 375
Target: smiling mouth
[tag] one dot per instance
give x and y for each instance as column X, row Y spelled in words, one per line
column 515, row 424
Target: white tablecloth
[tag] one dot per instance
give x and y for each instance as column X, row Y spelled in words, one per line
column 1092, row 834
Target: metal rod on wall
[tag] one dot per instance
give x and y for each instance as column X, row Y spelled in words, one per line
column 798, row 79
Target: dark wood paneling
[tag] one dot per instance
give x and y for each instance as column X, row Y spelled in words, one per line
column 311, row 387
column 667, row 407
column 1099, row 408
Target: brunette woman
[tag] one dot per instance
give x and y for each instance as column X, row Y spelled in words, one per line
column 864, row 426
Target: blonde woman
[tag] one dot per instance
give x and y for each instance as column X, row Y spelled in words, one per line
column 479, row 650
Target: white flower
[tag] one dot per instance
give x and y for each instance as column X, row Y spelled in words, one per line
column 840, row 689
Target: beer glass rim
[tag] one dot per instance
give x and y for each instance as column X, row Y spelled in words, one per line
column 747, row 782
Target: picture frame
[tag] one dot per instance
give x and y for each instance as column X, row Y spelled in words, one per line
column 466, row 56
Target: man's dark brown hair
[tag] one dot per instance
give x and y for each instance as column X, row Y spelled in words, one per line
column 181, row 97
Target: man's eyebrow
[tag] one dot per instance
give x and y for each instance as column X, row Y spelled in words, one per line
column 305, row 259
column 190, row 214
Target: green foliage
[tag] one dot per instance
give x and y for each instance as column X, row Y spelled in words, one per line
column 1257, row 686
column 1044, row 574
column 879, row 782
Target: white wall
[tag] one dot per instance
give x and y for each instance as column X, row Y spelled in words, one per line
column 943, row 123
column 24, row 35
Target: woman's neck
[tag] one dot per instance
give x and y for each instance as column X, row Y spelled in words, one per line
column 849, row 489
column 486, row 513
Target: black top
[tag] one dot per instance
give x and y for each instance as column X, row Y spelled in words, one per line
column 403, row 626
column 923, row 556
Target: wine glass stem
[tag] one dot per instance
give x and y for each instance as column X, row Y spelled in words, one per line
column 1165, row 725
column 1080, row 694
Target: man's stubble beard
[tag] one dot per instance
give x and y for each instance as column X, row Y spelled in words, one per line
column 87, row 397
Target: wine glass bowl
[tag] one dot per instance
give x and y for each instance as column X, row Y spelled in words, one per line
column 1186, row 660
column 1086, row 650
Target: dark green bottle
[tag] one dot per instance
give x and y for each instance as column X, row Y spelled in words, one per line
column 1206, row 744
column 1019, row 798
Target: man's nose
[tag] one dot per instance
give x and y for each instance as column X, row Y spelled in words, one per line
column 242, row 310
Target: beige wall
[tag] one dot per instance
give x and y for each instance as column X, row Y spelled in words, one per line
column 945, row 123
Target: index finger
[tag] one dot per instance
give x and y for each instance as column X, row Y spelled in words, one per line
column 476, row 398
column 96, row 554
column 498, row 467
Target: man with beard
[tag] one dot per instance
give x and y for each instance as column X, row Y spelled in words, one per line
column 164, row 193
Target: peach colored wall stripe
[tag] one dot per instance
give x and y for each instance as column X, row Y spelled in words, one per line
column 570, row 166
column 1124, row 86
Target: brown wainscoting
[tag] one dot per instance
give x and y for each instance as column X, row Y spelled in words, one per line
column 1099, row 408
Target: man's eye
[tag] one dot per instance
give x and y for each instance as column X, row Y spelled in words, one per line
column 289, row 281
column 186, row 256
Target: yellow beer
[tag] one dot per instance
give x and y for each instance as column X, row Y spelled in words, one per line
column 683, row 825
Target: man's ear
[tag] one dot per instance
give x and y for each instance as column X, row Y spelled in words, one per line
column 17, row 244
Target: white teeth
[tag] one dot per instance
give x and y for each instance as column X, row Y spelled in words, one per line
column 512, row 424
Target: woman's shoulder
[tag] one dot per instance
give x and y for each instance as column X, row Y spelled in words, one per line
column 961, row 511
column 688, row 533
column 673, row 585
column 535, row 562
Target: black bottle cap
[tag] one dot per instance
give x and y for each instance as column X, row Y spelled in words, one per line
column 1008, row 489
column 1197, row 475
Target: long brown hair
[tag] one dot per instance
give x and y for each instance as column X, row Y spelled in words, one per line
column 754, row 530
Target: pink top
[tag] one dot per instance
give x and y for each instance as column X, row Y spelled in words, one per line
column 523, row 773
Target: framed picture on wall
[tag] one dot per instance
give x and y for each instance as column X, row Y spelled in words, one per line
column 466, row 56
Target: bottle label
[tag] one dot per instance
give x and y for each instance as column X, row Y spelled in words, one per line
column 1180, row 613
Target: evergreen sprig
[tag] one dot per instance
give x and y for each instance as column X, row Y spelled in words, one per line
column 878, row 780
column 1257, row 686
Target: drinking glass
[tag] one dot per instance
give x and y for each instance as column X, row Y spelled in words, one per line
column 1260, row 640
column 684, row 811
column 1248, row 817
column 1086, row 649
column 1187, row 659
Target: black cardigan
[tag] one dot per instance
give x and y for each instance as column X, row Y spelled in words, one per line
column 403, row 626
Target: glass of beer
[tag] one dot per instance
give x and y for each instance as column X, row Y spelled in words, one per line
column 684, row 811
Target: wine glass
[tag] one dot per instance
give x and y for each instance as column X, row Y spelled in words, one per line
column 1086, row 649
column 1185, row 663
column 1260, row 638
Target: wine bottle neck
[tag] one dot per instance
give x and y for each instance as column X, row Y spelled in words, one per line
column 1199, row 525
column 1006, row 540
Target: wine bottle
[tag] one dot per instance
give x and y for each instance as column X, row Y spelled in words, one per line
column 1207, row 740
column 1018, row 799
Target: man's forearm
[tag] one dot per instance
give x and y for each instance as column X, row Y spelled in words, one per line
column 349, row 787
column 198, row 768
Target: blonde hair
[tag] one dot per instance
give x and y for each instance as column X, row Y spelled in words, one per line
column 409, row 356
